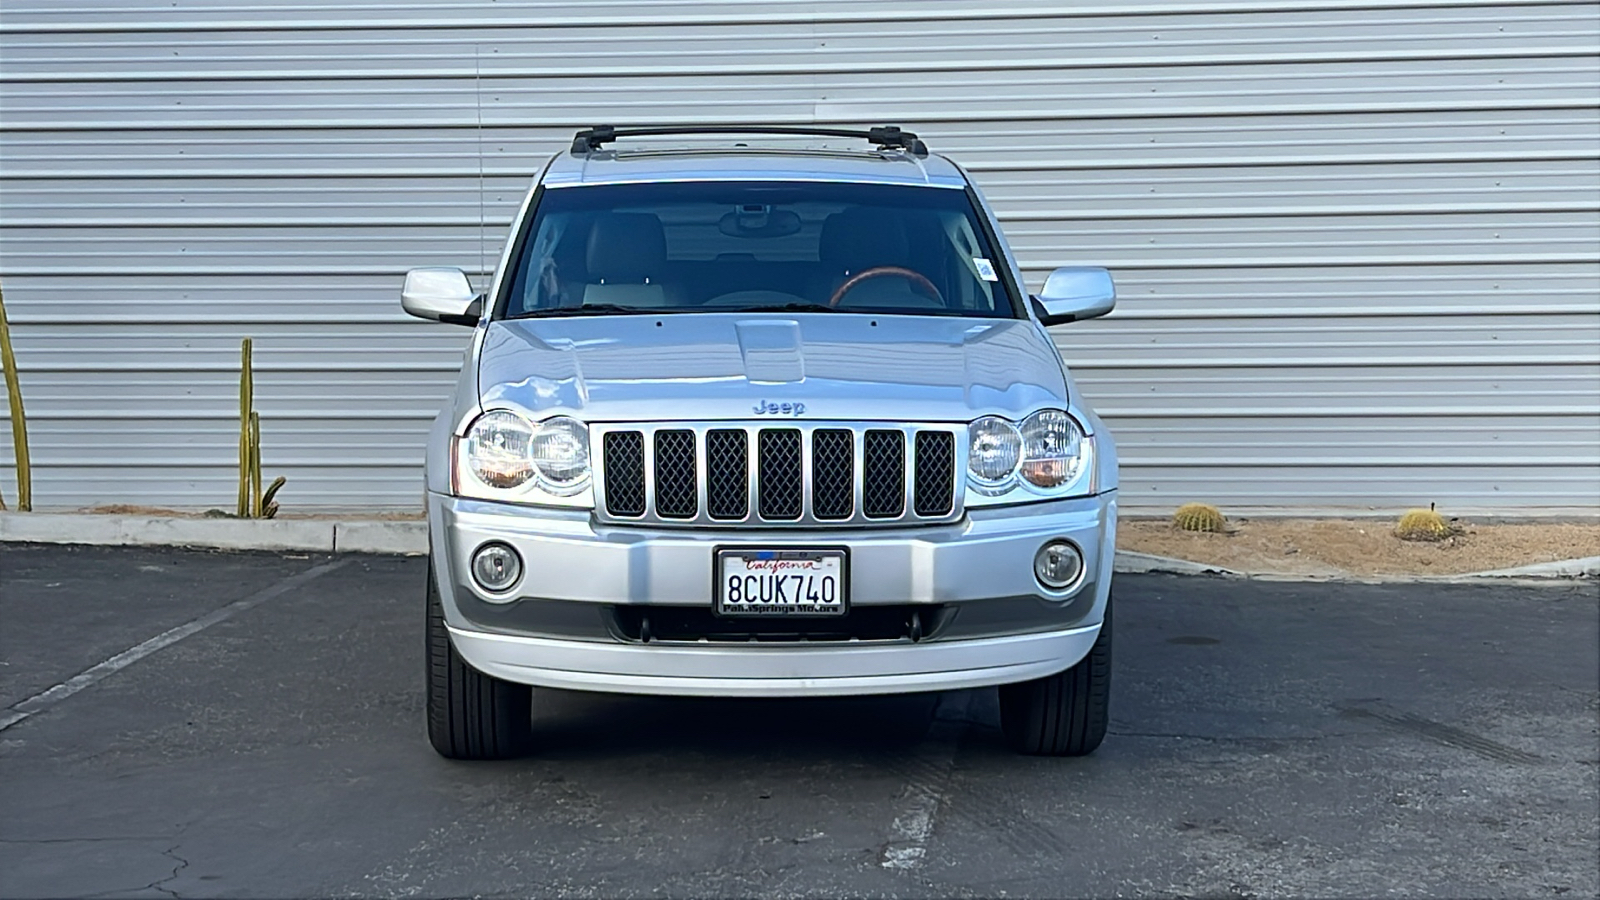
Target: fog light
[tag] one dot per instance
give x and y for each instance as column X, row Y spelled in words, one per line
column 1058, row 565
column 496, row 567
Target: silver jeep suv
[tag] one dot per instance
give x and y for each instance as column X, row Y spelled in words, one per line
column 747, row 420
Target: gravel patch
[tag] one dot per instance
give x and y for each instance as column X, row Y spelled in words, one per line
column 1339, row 547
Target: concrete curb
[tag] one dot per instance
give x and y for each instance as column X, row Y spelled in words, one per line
column 315, row 535
column 380, row 537
column 411, row 537
column 1583, row 567
column 1139, row 563
column 1537, row 573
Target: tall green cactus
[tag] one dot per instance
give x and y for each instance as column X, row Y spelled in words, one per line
column 247, row 389
column 253, row 503
column 19, row 422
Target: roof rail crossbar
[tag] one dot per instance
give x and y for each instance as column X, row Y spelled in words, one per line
column 888, row 136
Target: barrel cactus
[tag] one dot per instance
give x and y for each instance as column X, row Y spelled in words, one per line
column 1199, row 517
column 1423, row 525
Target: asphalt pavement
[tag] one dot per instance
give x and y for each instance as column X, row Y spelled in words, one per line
column 199, row 724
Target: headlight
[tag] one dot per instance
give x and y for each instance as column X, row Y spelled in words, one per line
column 497, row 449
column 505, row 457
column 1052, row 448
column 1047, row 455
column 560, row 453
column 994, row 450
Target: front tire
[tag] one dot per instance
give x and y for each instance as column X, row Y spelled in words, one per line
column 1063, row 714
column 471, row 715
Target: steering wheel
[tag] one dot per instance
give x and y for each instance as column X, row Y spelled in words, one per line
column 916, row 278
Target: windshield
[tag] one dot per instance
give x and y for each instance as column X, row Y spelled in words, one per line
column 752, row 246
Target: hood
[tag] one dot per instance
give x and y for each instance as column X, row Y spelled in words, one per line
column 712, row 367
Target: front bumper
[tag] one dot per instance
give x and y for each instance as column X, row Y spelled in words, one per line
column 776, row 671
column 979, row 563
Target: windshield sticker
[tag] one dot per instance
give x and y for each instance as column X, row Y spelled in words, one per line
column 985, row 269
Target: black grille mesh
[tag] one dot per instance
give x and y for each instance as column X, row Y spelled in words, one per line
column 883, row 470
column 727, row 474
column 780, row 485
column 933, row 479
column 624, row 473
column 779, row 480
column 833, row 473
column 674, row 475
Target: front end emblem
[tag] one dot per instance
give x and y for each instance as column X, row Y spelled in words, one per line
column 764, row 408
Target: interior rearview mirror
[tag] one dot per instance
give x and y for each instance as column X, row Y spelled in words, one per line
column 441, row 294
column 757, row 221
column 1072, row 293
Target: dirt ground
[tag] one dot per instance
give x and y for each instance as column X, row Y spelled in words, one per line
column 1344, row 547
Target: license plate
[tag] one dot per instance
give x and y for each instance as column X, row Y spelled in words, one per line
column 781, row 582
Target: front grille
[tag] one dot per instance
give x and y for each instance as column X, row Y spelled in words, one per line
column 833, row 473
column 780, row 481
column 884, row 496
column 935, row 475
column 771, row 475
column 677, row 486
column 624, row 452
column 728, row 473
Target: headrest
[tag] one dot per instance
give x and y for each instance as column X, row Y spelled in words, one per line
column 626, row 247
column 861, row 237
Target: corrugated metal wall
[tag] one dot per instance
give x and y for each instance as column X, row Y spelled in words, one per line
column 1358, row 243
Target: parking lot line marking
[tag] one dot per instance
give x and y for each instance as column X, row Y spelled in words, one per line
column 914, row 825
column 51, row 696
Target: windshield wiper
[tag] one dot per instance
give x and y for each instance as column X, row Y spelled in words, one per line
column 603, row 309
column 588, row 309
column 785, row 307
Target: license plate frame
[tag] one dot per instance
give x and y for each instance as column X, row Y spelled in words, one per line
column 743, row 610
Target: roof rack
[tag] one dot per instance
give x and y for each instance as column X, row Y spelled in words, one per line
column 886, row 136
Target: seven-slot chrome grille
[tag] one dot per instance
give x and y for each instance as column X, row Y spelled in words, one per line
column 776, row 475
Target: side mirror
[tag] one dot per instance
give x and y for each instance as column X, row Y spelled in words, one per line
column 1072, row 293
column 441, row 294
